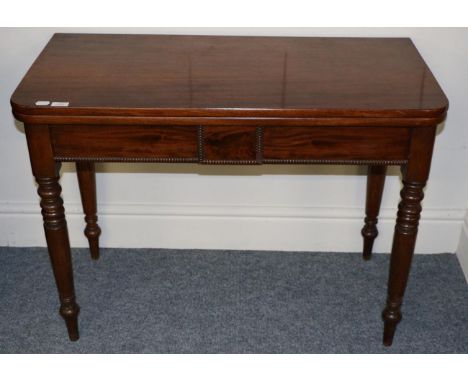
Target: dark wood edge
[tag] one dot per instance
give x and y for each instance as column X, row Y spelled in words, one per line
column 181, row 121
column 225, row 112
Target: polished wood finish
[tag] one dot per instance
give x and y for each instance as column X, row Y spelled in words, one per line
column 222, row 76
column 375, row 186
column 46, row 172
column 231, row 100
column 232, row 144
column 415, row 175
column 87, row 183
column 132, row 141
column 340, row 143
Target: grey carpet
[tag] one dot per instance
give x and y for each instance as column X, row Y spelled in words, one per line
column 198, row 301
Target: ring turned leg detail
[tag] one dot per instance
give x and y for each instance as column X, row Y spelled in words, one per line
column 375, row 186
column 409, row 211
column 87, row 182
column 415, row 175
column 46, row 172
column 56, row 232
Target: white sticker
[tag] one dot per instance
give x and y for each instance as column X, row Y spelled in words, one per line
column 42, row 103
column 59, row 103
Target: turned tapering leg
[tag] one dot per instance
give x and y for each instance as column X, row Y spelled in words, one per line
column 87, row 182
column 415, row 174
column 59, row 249
column 46, row 172
column 406, row 230
column 375, row 186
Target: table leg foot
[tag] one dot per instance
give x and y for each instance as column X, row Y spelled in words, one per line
column 369, row 233
column 93, row 247
column 389, row 332
column 375, row 185
column 92, row 232
column 69, row 310
column 87, row 182
column 391, row 316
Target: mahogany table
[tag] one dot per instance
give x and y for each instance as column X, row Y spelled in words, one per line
column 230, row 100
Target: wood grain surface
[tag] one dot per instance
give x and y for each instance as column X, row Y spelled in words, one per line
column 201, row 76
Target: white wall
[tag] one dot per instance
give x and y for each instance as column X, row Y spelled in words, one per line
column 284, row 207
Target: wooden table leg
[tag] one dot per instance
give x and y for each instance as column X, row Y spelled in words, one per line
column 87, row 182
column 415, row 175
column 46, row 172
column 375, row 186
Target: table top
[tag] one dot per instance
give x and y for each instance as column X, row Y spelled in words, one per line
column 204, row 76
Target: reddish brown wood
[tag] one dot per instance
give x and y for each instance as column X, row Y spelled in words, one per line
column 47, row 175
column 87, row 183
column 415, row 175
column 375, row 186
column 247, row 120
column 228, row 143
column 221, row 76
column 339, row 143
column 242, row 100
column 125, row 141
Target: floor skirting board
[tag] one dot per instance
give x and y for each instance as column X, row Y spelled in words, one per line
column 462, row 250
column 289, row 228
